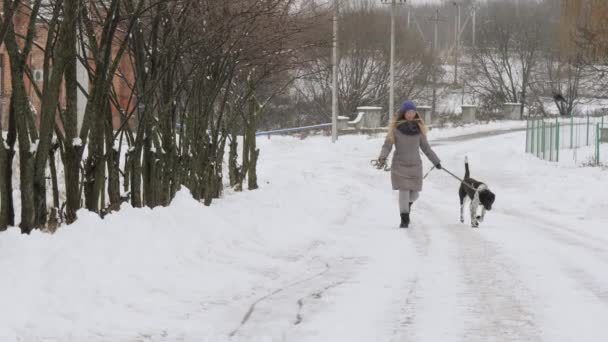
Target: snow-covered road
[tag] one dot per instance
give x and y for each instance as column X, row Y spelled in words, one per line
column 316, row 255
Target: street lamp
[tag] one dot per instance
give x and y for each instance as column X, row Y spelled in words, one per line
column 391, row 101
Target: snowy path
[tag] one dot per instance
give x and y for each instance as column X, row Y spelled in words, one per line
column 315, row 255
column 531, row 273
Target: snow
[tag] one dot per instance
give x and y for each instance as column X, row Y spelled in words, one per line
column 77, row 142
column 315, row 255
column 32, row 108
column 582, row 106
column 4, row 143
column 369, row 108
column 34, row 146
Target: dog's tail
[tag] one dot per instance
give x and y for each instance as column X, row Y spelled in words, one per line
column 467, row 174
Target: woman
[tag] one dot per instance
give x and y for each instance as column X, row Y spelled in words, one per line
column 407, row 132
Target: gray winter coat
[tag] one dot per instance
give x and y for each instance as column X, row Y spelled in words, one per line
column 406, row 167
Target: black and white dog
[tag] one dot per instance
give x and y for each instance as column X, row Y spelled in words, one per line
column 478, row 193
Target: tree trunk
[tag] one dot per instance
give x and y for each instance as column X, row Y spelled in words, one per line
column 26, row 156
column 54, row 183
column 136, row 176
column 62, row 53
column 113, row 160
column 72, row 149
column 4, row 190
column 254, row 152
column 23, row 117
column 233, row 167
column 11, row 140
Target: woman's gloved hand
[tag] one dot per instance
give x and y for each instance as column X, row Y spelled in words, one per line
column 438, row 166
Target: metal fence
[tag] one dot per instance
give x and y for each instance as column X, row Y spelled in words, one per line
column 293, row 130
column 545, row 138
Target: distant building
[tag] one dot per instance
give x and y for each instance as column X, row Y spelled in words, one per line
column 123, row 80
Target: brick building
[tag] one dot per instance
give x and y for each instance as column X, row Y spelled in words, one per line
column 122, row 82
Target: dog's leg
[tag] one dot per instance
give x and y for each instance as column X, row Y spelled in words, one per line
column 483, row 214
column 473, row 207
column 462, row 212
column 463, row 195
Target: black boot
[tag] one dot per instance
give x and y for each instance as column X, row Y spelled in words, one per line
column 405, row 220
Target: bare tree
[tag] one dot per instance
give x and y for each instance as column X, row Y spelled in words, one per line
column 364, row 64
column 200, row 74
column 510, row 41
column 7, row 215
column 19, row 46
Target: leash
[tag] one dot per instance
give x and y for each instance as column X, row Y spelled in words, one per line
column 458, row 178
column 375, row 163
column 429, row 171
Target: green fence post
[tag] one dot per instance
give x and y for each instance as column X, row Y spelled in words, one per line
column 571, row 131
column 533, row 138
column 543, row 144
column 527, row 133
column 597, row 145
column 587, row 130
column 557, row 144
column 557, row 128
column 538, row 138
column 551, row 141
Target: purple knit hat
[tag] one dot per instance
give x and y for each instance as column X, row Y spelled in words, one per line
column 406, row 106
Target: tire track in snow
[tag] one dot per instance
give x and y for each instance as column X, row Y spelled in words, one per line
column 408, row 302
column 252, row 307
column 317, row 294
column 589, row 248
column 540, row 217
column 497, row 300
column 590, row 283
column 268, row 308
column 426, row 310
column 564, row 235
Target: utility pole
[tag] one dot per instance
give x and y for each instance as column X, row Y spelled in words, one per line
column 474, row 28
column 436, row 20
column 474, row 24
column 391, row 100
column 459, row 27
column 334, row 90
column 391, row 103
column 456, row 40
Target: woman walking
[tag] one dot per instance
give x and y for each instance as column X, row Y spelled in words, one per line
column 407, row 132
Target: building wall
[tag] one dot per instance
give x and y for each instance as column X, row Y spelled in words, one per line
column 36, row 60
column 20, row 20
